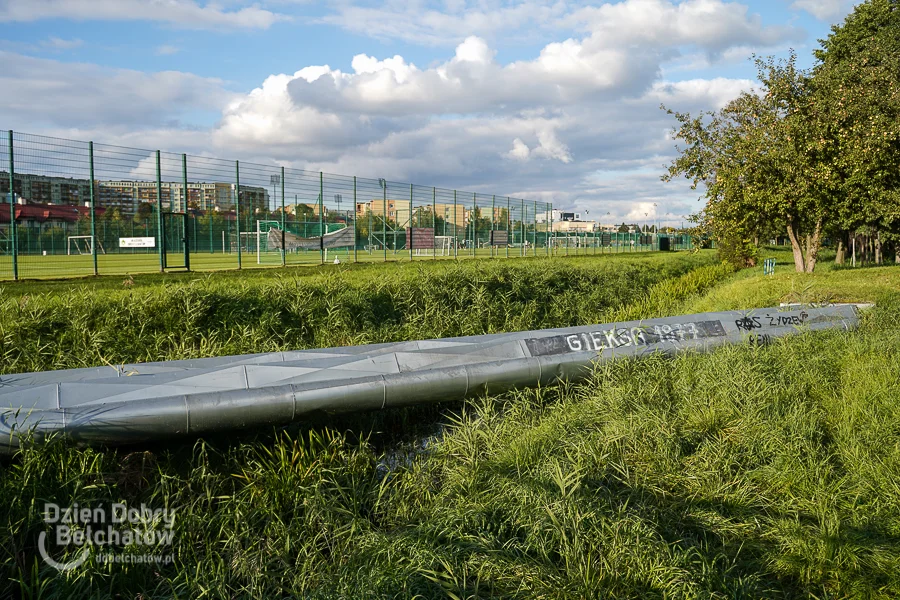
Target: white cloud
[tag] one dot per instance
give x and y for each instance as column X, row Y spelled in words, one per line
column 542, row 129
column 166, row 50
column 643, row 212
column 711, row 24
column 472, row 82
column 715, row 92
column 520, row 150
column 183, row 13
column 56, row 43
column 53, row 93
column 824, row 10
column 578, row 123
column 438, row 23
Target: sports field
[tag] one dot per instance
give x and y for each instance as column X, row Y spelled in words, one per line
column 81, row 265
column 753, row 472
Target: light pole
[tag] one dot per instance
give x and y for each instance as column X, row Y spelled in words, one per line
column 609, row 218
column 587, row 211
column 274, row 180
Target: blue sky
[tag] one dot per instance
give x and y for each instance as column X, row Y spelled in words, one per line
column 540, row 99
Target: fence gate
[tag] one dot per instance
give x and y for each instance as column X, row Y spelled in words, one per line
column 176, row 250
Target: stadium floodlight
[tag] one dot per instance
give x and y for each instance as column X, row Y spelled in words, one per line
column 274, row 180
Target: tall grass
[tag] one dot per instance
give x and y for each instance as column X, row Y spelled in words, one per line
column 212, row 316
column 751, row 472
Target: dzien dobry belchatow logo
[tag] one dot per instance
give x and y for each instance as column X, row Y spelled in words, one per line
column 117, row 532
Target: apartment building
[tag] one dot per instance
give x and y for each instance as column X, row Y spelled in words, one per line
column 398, row 211
column 556, row 216
column 43, row 189
column 127, row 196
column 574, row 226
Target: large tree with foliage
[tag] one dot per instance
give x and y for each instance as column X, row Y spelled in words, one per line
column 856, row 85
column 762, row 165
column 811, row 151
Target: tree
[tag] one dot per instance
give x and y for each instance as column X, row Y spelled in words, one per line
column 857, row 87
column 144, row 211
column 762, row 162
column 623, row 228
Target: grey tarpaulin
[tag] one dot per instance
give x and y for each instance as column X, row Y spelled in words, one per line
column 158, row 400
column 336, row 239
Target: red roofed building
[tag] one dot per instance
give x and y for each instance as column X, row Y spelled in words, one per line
column 45, row 216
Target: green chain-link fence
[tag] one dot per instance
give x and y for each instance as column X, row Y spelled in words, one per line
column 80, row 208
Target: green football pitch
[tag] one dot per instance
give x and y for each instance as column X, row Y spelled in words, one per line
column 61, row 266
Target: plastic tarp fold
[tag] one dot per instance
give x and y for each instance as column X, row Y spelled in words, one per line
column 335, row 239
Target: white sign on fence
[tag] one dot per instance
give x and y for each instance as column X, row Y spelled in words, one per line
column 137, row 242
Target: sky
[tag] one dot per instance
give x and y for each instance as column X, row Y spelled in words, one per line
column 536, row 99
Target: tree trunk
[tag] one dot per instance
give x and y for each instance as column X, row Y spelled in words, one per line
column 813, row 243
column 877, row 247
column 841, row 251
column 795, row 246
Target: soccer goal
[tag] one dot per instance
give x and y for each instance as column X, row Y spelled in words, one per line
column 442, row 243
column 264, row 253
column 259, row 241
column 83, row 244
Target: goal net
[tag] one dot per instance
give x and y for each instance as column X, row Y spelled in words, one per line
column 82, row 244
column 442, row 244
column 266, row 253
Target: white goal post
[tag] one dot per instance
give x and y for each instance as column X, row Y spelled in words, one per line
column 442, row 243
column 82, row 244
column 259, row 238
column 262, row 238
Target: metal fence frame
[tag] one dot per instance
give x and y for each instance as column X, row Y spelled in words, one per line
column 90, row 176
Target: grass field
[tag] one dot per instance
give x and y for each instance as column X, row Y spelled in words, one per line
column 751, row 472
column 82, row 265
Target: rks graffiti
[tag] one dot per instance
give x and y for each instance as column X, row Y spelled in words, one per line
column 751, row 323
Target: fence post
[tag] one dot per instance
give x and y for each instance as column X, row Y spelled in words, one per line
column 322, row 216
column 355, row 214
column 409, row 237
column 93, row 212
column 159, row 217
column 474, row 212
column 550, row 232
column 533, row 224
column 237, row 205
column 12, row 209
column 509, row 238
column 491, row 238
column 455, row 237
column 434, row 220
column 384, row 213
column 524, row 230
column 186, row 196
column 283, row 250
